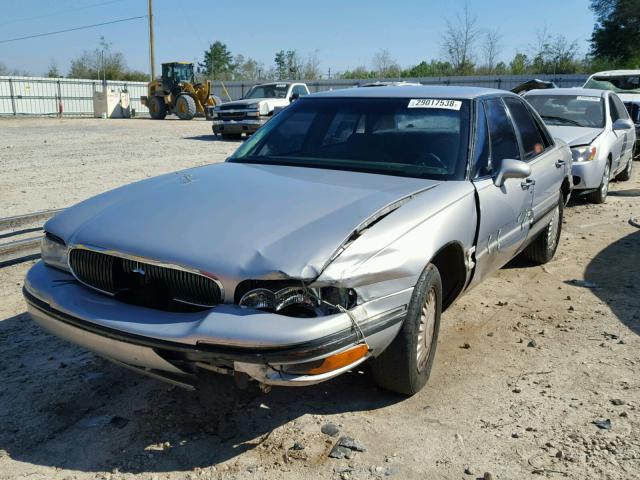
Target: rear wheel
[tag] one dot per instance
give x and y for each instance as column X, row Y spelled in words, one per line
column 185, row 107
column 543, row 248
column 157, row 108
column 626, row 173
column 404, row 367
column 600, row 195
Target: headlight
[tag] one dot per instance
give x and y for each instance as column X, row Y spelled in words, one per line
column 584, row 153
column 299, row 301
column 54, row 252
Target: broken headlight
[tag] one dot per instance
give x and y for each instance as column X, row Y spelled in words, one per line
column 54, row 252
column 298, row 300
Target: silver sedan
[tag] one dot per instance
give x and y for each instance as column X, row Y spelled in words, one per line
column 597, row 127
column 336, row 234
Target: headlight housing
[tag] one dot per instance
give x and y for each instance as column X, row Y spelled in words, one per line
column 583, row 153
column 296, row 300
column 54, row 252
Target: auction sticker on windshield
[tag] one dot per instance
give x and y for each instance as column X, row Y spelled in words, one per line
column 588, row 99
column 435, row 103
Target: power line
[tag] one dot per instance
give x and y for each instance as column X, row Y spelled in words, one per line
column 72, row 29
column 62, row 12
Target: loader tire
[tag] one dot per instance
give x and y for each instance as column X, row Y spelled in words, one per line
column 185, row 107
column 157, row 108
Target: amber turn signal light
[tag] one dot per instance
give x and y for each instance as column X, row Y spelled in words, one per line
column 339, row 360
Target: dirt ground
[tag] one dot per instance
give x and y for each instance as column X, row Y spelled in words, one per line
column 526, row 362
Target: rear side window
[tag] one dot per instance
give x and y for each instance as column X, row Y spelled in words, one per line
column 532, row 141
column 503, row 138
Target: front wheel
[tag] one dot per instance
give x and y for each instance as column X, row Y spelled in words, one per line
column 626, row 173
column 157, row 108
column 404, row 367
column 544, row 247
column 185, row 107
column 600, row 195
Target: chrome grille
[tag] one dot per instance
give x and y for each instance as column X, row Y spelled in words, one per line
column 231, row 115
column 140, row 282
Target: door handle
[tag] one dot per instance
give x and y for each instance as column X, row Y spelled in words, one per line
column 527, row 183
column 560, row 163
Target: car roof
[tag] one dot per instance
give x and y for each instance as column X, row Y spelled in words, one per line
column 588, row 92
column 406, row 91
column 615, row 73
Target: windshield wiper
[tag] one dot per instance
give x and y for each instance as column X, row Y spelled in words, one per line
column 562, row 119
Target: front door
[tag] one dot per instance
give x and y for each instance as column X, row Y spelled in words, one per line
column 506, row 211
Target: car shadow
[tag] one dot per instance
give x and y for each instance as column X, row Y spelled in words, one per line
column 63, row 407
column 614, row 277
column 213, row 138
column 632, row 192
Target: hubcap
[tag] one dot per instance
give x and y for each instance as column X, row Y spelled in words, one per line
column 604, row 189
column 552, row 229
column 426, row 330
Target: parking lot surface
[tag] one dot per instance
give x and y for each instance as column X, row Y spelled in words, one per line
column 530, row 365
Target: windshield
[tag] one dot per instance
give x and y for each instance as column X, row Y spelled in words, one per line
column 183, row 73
column 278, row 90
column 576, row 110
column 618, row 84
column 424, row 138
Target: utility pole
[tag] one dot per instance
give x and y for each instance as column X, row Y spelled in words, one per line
column 152, row 61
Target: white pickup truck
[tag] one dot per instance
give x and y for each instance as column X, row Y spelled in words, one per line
column 232, row 119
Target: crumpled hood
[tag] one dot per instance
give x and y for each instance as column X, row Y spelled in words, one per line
column 265, row 105
column 236, row 221
column 575, row 136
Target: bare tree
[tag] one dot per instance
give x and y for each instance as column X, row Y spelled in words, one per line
column 459, row 39
column 311, row 67
column 491, row 49
column 385, row 65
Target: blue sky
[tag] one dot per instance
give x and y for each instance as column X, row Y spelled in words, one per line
column 345, row 33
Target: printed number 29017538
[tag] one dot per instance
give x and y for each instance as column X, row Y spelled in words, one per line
column 435, row 103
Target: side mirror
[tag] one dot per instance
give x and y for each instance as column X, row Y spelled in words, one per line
column 510, row 168
column 622, row 124
column 294, row 96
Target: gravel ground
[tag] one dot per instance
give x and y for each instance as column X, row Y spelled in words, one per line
column 526, row 362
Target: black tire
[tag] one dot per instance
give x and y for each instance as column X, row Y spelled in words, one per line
column 185, row 107
column 544, row 247
column 404, row 367
column 231, row 136
column 626, row 173
column 157, row 108
column 600, row 195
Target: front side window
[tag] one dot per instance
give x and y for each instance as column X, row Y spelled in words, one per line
column 569, row 110
column 532, row 142
column 300, row 90
column 389, row 136
column 504, row 143
column 481, row 151
column 619, row 106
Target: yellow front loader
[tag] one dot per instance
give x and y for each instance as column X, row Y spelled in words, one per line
column 176, row 92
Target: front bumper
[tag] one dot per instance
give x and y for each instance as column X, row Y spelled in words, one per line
column 588, row 175
column 226, row 338
column 234, row 127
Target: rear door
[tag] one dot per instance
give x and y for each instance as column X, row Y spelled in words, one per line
column 504, row 211
column 546, row 161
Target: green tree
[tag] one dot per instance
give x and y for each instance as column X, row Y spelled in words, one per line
column 218, row 62
column 519, row 64
column 101, row 63
column 53, row 72
column 616, row 34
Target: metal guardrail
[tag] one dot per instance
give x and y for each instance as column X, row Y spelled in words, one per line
column 22, row 249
